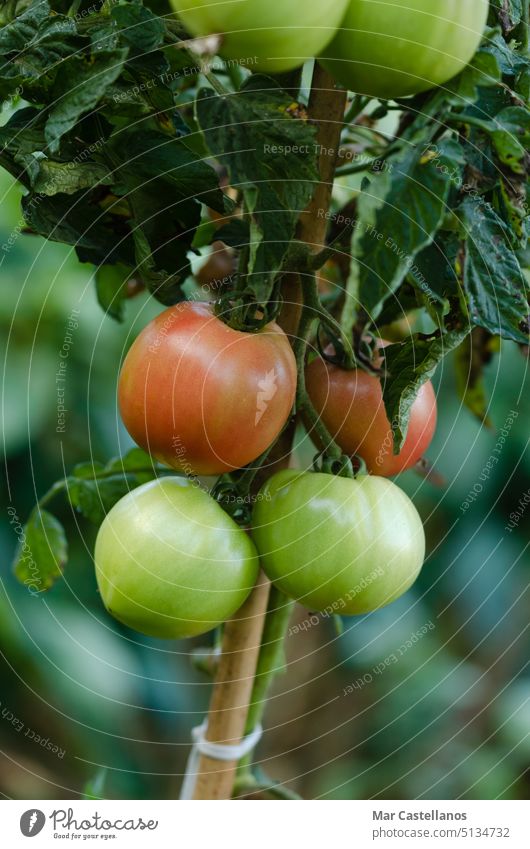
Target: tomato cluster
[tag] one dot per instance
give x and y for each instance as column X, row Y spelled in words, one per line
column 380, row 48
column 204, row 398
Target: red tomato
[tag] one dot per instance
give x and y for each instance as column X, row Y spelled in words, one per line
column 202, row 397
column 351, row 406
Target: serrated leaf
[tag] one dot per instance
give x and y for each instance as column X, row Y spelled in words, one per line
column 79, row 89
column 147, row 155
column 269, row 148
column 35, row 42
column 398, row 216
column 495, row 286
column 484, row 70
column 139, row 28
column 42, row 552
column 74, row 221
column 409, row 365
column 509, row 130
column 68, row 177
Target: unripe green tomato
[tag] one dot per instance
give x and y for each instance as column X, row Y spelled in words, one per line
column 271, row 37
column 335, row 544
column 395, row 48
column 170, row 562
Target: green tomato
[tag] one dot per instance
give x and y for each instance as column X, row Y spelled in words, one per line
column 336, row 544
column 170, row 562
column 395, row 48
column 266, row 36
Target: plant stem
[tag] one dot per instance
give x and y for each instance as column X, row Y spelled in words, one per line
column 365, row 166
column 462, row 118
column 303, row 402
column 357, row 105
column 58, row 486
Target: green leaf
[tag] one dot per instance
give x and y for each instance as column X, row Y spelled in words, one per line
column 35, row 42
column 146, row 156
column 135, row 461
column 68, row 177
column 398, row 216
column 139, row 28
column 509, row 130
column 470, row 359
column 88, row 469
column 235, row 234
column 495, row 286
column 94, row 498
column 42, row 552
column 409, row 365
column 510, row 14
column 484, row 70
column 73, row 220
column 94, row 488
column 79, row 89
column 269, row 148
column 111, row 288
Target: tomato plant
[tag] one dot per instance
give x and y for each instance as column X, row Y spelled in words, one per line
column 190, row 383
column 396, row 48
column 266, row 36
column 351, row 405
column 170, row 563
column 141, row 150
column 336, row 544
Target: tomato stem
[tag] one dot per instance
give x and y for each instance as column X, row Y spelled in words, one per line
column 310, row 312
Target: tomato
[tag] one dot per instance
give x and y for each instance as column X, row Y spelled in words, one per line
column 394, row 48
column 265, row 35
column 335, row 544
column 202, row 397
column 351, row 406
column 170, row 562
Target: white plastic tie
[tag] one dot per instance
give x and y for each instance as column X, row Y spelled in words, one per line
column 217, row 751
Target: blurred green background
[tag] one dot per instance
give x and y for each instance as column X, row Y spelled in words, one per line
column 450, row 719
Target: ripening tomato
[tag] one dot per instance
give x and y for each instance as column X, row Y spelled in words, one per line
column 170, row 562
column 202, row 397
column 265, row 36
column 336, row 544
column 350, row 403
column 395, row 48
